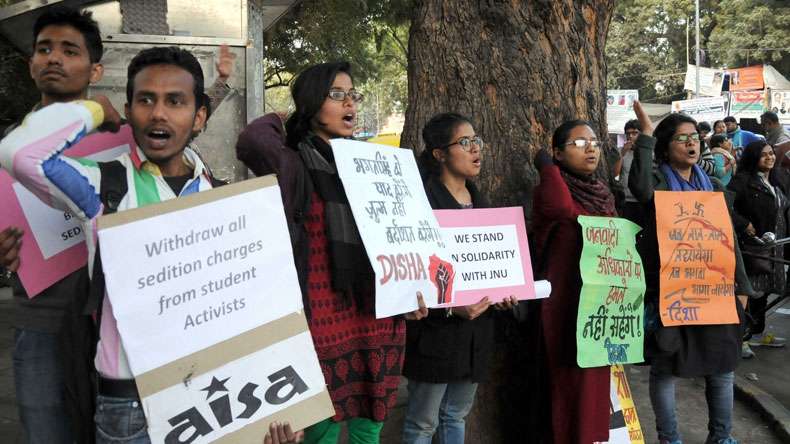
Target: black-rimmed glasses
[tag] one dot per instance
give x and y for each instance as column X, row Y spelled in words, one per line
column 340, row 95
column 466, row 143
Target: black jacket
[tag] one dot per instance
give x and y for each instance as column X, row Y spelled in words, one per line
column 692, row 350
column 442, row 349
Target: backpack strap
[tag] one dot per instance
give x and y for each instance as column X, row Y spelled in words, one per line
column 113, row 188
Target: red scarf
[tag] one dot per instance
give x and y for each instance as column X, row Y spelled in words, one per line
column 591, row 193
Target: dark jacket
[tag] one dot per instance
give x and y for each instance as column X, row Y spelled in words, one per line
column 443, row 349
column 261, row 146
column 687, row 351
column 767, row 212
column 578, row 396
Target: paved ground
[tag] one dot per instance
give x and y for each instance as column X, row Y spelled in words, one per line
column 771, row 367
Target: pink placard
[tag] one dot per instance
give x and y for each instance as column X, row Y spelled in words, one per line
column 490, row 254
column 43, row 265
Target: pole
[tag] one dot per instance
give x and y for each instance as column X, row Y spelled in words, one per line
column 696, row 13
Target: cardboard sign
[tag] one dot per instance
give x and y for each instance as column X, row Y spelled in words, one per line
column 490, row 254
column 208, row 306
column 708, row 109
column 742, row 79
column 697, row 251
column 710, row 80
column 624, row 427
column 400, row 232
column 620, row 108
column 53, row 244
column 609, row 324
column 747, row 104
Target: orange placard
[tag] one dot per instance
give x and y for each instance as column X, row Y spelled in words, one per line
column 742, row 79
column 697, row 251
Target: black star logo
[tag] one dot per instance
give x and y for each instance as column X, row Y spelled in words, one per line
column 215, row 386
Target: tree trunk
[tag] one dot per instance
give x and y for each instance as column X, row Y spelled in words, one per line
column 518, row 69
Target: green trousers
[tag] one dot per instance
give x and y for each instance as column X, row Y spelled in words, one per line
column 360, row 431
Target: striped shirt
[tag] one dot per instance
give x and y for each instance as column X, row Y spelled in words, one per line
column 32, row 154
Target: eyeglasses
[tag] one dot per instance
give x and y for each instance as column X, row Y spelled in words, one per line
column 684, row 138
column 466, row 143
column 340, row 95
column 582, row 143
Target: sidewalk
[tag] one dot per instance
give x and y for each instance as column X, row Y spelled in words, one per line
column 749, row 427
column 765, row 379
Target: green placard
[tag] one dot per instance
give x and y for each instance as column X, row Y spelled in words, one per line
column 609, row 328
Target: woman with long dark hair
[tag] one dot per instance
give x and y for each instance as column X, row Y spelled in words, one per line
column 361, row 356
column 724, row 156
column 760, row 208
column 448, row 353
column 709, row 351
column 569, row 187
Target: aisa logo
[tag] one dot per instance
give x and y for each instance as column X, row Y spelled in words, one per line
column 190, row 424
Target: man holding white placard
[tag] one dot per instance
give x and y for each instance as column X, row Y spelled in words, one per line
column 166, row 108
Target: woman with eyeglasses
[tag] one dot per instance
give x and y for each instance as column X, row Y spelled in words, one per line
column 361, row 356
column 760, row 208
column 448, row 353
column 709, row 351
column 569, row 187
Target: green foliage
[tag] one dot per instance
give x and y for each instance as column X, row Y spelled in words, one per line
column 646, row 46
column 371, row 34
column 752, row 24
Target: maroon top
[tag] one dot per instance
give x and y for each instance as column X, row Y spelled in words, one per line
column 361, row 356
column 579, row 396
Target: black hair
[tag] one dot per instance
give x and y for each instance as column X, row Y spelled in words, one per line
column 730, row 119
column 309, row 91
column 751, row 156
column 770, row 117
column 81, row 21
column 632, row 124
column 704, row 126
column 437, row 134
column 717, row 122
column 717, row 139
column 666, row 130
column 561, row 134
column 168, row 55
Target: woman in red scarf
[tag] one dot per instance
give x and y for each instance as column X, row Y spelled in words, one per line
column 579, row 397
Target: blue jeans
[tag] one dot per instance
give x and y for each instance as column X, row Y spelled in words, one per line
column 40, row 393
column 438, row 408
column 120, row 420
column 718, row 393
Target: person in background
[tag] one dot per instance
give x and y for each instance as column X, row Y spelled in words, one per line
column 740, row 138
column 631, row 209
column 706, row 160
column 778, row 137
column 569, row 187
column 760, row 207
column 449, row 352
column 709, row 351
column 704, row 130
column 361, row 356
column 719, row 127
column 724, row 157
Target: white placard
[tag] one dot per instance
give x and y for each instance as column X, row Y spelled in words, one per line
column 710, row 80
column 620, row 108
column 198, row 276
column 500, row 256
column 400, row 232
column 54, row 230
column 708, row 109
column 236, row 394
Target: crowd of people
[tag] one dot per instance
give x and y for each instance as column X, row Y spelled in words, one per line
column 74, row 385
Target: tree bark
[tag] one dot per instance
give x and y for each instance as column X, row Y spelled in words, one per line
column 518, row 69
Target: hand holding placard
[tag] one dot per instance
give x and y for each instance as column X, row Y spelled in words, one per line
column 10, row 243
